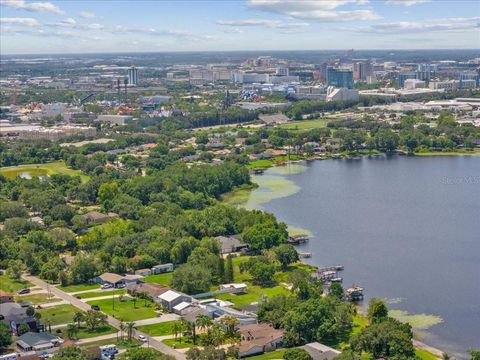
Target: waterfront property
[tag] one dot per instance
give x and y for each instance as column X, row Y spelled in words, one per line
column 258, row 338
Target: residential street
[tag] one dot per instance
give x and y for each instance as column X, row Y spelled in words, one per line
column 112, row 321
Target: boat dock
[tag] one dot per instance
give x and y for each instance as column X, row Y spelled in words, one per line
column 297, row 239
column 304, row 254
column 330, row 268
column 355, row 293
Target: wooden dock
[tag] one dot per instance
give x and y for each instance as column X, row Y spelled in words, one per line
column 355, row 293
column 330, row 268
column 297, row 239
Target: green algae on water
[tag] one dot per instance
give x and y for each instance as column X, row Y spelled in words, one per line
column 417, row 321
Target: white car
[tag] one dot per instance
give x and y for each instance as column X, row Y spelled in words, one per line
column 142, row 338
column 106, row 286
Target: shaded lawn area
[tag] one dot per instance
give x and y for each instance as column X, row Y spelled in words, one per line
column 121, row 344
column 161, row 279
column 126, row 310
column 277, row 354
column 85, row 333
column 159, row 329
column 100, row 293
column 303, row 125
column 80, row 287
column 41, row 298
column 61, row 314
column 51, row 168
column 12, row 286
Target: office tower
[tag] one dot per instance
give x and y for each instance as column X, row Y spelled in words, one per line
column 340, row 78
column 133, row 76
column 362, row 70
column 402, row 77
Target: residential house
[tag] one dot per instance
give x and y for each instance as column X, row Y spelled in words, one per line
column 258, row 338
column 44, row 342
column 231, row 244
column 162, row 268
column 171, row 298
column 153, row 291
column 95, row 217
column 183, row 308
column 14, row 315
column 6, row 297
column 116, row 280
column 143, row 272
column 234, row 288
column 319, row 351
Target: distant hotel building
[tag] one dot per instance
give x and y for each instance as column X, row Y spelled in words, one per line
column 362, row 70
column 340, row 78
column 133, row 76
column 403, row 77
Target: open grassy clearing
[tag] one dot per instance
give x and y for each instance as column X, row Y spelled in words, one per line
column 160, row 329
column 80, row 287
column 86, row 333
column 304, row 125
column 186, row 342
column 12, row 286
column 61, row 314
column 277, row 354
column 126, row 310
column 449, row 153
column 33, row 170
column 94, row 294
column 41, row 298
column 161, row 279
column 266, row 163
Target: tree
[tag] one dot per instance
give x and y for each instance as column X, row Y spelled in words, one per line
column 130, row 330
column 377, row 311
column 94, row 319
column 207, row 353
column 5, row 335
column 336, row 291
column 72, row 331
column 191, row 279
column 78, row 317
column 296, row 354
column 229, row 272
column 177, row 328
column 230, row 323
column 144, row 354
column 22, row 329
column 30, row 311
column 474, row 354
column 204, row 322
column 15, row 269
column 72, row 353
column 286, row 254
column 262, row 273
column 264, row 236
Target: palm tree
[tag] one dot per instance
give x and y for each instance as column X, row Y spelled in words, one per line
column 122, row 328
column 176, row 328
column 78, row 317
column 204, row 322
column 230, row 324
column 72, row 331
column 130, row 329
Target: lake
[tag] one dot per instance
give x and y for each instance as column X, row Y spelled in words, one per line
column 407, row 229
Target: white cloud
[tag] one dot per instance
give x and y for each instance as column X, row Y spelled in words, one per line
column 20, row 21
column 178, row 34
column 436, row 25
column 91, row 26
column 273, row 24
column 321, row 10
column 87, row 15
column 32, row 6
column 406, row 2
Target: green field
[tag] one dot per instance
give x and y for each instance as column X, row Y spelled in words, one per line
column 186, row 342
column 425, row 355
column 100, row 293
column 12, row 286
column 81, row 287
column 159, row 329
column 277, row 354
column 126, row 310
column 86, row 333
column 161, row 279
column 33, row 170
column 61, row 314
column 449, row 153
column 41, row 298
column 266, row 163
column 304, row 125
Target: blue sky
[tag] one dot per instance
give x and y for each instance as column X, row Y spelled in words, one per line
column 76, row 26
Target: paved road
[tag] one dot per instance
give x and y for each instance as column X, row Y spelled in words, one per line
column 112, row 321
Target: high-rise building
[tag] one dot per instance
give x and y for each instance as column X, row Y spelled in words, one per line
column 362, row 70
column 133, row 76
column 402, row 77
column 340, row 78
column 468, row 76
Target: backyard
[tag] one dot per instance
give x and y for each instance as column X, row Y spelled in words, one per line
column 85, row 333
column 127, row 309
column 161, row 279
column 160, row 329
column 56, row 315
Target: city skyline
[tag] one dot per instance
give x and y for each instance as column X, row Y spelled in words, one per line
column 29, row 27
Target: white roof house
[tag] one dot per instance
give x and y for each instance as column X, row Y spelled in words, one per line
column 181, row 307
column 169, row 296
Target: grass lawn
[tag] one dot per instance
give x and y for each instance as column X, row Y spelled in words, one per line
column 425, row 355
column 126, row 310
column 121, row 344
column 41, row 298
column 186, row 342
column 62, row 314
column 100, row 293
column 159, row 329
column 277, row 354
column 161, row 279
column 32, row 170
column 12, row 286
column 304, row 125
column 85, row 333
column 81, row 287
column 266, row 163
column 449, row 153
